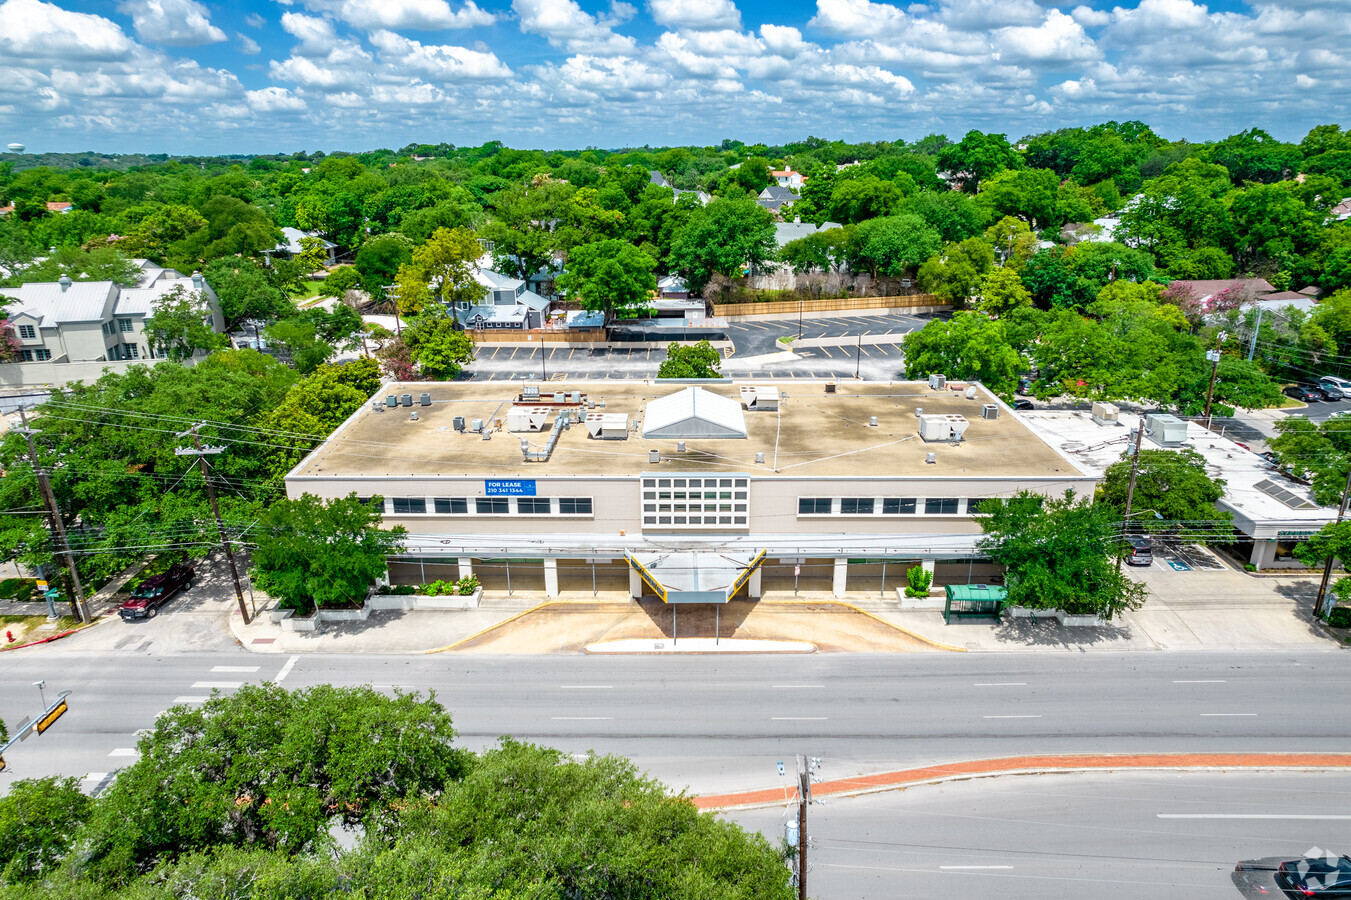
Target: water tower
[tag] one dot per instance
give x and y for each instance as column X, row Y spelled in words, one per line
column 15, row 148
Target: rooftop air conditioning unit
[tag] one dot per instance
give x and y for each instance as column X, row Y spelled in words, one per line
column 608, row 426
column 872, row 421
column 1166, row 430
column 527, row 418
column 476, row 426
column 760, row 458
column 654, row 456
column 938, row 382
column 989, row 411
column 406, row 399
column 424, row 400
column 1105, row 413
column 530, row 392
column 942, row 427
column 759, row 396
column 391, row 401
column 459, row 423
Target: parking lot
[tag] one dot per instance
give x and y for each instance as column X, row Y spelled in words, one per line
column 754, row 338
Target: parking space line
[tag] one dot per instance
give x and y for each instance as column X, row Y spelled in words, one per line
column 123, row 751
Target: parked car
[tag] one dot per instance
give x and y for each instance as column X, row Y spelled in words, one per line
column 1320, row 876
column 155, row 591
column 1305, row 393
column 1340, row 384
column 1140, row 552
column 1332, row 392
column 1023, row 404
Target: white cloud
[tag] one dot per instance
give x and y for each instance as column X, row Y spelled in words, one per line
column 274, row 99
column 1089, row 17
column 180, row 23
column 783, row 40
column 1059, row 39
column 31, row 29
column 980, row 15
column 253, row 20
column 317, row 36
column 437, row 61
column 565, row 24
column 695, row 13
column 425, row 15
column 247, row 45
column 858, row 18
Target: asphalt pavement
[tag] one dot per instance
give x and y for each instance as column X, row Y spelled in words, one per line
column 1122, row 835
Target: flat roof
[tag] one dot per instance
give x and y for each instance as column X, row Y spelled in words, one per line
column 812, row 434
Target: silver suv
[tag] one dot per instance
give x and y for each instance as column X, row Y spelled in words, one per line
column 1335, row 388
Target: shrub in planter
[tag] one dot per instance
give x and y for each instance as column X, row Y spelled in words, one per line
column 918, row 580
column 466, row 586
column 1340, row 617
column 1249, row 567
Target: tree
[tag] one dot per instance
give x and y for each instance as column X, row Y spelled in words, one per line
column 1332, row 541
column 957, row 216
column 245, row 293
column 955, row 275
column 894, row 245
column 1002, row 291
column 309, row 552
column 270, row 768
column 1029, row 193
column 313, row 254
column 968, row 347
column 690, row 361
column 1059, row 554
column 181, row 324
column 1173, row 484
column 440, row 349
column 726, row 237
column 1319, row 452
column 976, row 157
column 611, row 276
column 300, row 341
column 38, row 821
column 442, row 271
column 98, row 264
column 1013, row 241
column 340, row 281
column 380, row 259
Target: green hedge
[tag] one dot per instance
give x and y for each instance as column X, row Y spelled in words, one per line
column 1340, row 617
column 19, row 589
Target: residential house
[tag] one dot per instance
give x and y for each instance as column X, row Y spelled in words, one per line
column 290, row 245
column 54, row 206
column 673, row 287
column 791, row 231
column 507, row 304
column 775, row 196
column 1341, row 212
column 655, row 177
column 788, row 178
column 90, row 321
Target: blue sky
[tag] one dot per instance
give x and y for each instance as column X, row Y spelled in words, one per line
column 195, row 76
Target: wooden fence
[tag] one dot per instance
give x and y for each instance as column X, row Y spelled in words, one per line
column 507, row 336
column 838, row 304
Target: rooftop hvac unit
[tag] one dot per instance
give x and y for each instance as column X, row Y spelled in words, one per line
column 830, row 387
column 412, row 416
column 872, row 421
column 938, row 382
column 989, row 411
column 1166, row 430
column 459, row 423
column 759, row 396
column 931, row 458
column 971, row 392
column 530, row 392
column 1105, row 412
column 424, row 400
column 527, row 418
column 680, row 446
column 406, row 399
column 377, row 406
column 760, row 458
column 942, row 427
column 560, row 396
column 608, row 426
column 476, row 426
column 654, row 456
column 575, row 397
column 391, row 401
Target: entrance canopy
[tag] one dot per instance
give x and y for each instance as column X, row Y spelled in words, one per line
column 695, row 576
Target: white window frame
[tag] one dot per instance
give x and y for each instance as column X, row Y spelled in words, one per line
column 32, row 334
column 676, row 512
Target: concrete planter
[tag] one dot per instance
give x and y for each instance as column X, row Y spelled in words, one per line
column 344, row 615
column 935, row 600
column 1026, row 612
column 421, row 601
column 289, row 622
column 1071, row 621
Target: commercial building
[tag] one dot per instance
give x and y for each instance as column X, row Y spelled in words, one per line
column 686, row 491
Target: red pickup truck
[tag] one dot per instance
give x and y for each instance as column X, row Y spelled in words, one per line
column 155, row 591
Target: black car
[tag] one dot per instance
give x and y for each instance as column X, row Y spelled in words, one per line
column 155, row 591
column 1326, row 876
column 1305, row 393
column 1023, row 404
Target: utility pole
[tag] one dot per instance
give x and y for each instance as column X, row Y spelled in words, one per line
column 1327, row 564
column 78, row 607
column 804, row 796
column 1130, row 488
column 1214, row 357
column 201, row 453
column 1252, row 345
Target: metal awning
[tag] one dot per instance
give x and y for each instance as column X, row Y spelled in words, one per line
column 695, row 576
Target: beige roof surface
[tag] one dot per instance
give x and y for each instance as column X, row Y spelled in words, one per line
column 813, row 434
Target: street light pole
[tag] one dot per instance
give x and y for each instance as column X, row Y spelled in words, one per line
column 1214, row 370
column 1130, row 489
column 1327, row 564
column 858, row 354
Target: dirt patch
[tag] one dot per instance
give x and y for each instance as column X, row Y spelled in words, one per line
column 569, row 626
column 16, row 630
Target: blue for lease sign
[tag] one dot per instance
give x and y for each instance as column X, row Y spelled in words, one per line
column 515, row 488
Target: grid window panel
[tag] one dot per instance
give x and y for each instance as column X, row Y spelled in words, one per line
column 898, row 506
column 533, row 506
column 973, row 504
column 490, row 506
column 449, row 506
column 124, row 325
column 43, row 354
column 940, row 506
column 410, row 505
column 579, row 506
column 856, row 506
column 27, row 332
column 696, row 501
column 813, row 506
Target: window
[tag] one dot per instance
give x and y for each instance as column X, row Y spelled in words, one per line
column 813, row 506
column 973, row 505
column 856, row 506
column 537, row 506
column 132, row 351
column 940, row 506
column 898, row 506
column 42, row 354
column 451, row 505
column 27, row 332
column 27, row 355
column 574, row 506
column 695, row 502
column 377, row 504
column 124, row 325
column 490, row 506
column 410, row 505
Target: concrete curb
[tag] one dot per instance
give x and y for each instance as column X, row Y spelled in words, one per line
column 858, row 609
column 1032, row 765
column 97, row 620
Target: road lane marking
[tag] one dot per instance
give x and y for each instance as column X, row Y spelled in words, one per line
column 234, row 668
column 1313, row 817
column 189, row 699
column 1228, row 714
column 951, row 868
column 1010, row 717
column 586, row 687
column 1201, row 681
column 217, row 685
column 582, row 718
column 95, row 776
column 776, row 686
column 798, row 719
column 1000, row 684
column 123, row 751
column 286, row 669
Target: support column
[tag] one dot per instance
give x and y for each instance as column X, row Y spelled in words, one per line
column 753, row 587
column 927, row 565
column 1263, row 553
column 550, row 577
column 841, row 575
column 466, row 567
column 635, row 584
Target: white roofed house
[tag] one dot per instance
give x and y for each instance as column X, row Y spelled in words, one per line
column 291, row 246
column 73, row 322
column 507, row 303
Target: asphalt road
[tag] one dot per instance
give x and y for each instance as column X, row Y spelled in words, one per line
column 716, row 724
column 1096, row 836
column 1317, row 412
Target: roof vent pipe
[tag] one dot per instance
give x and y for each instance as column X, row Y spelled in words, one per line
column 931, row 458
column 654, row 456
column 760, row 458
column 412, row 416
column 971, row 392
column 919, row 411
column 64, row 281
column 197, row 281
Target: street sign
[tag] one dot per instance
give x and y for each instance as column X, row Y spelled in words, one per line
column 42, row 585
column 797, row 570
column 49, row 718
